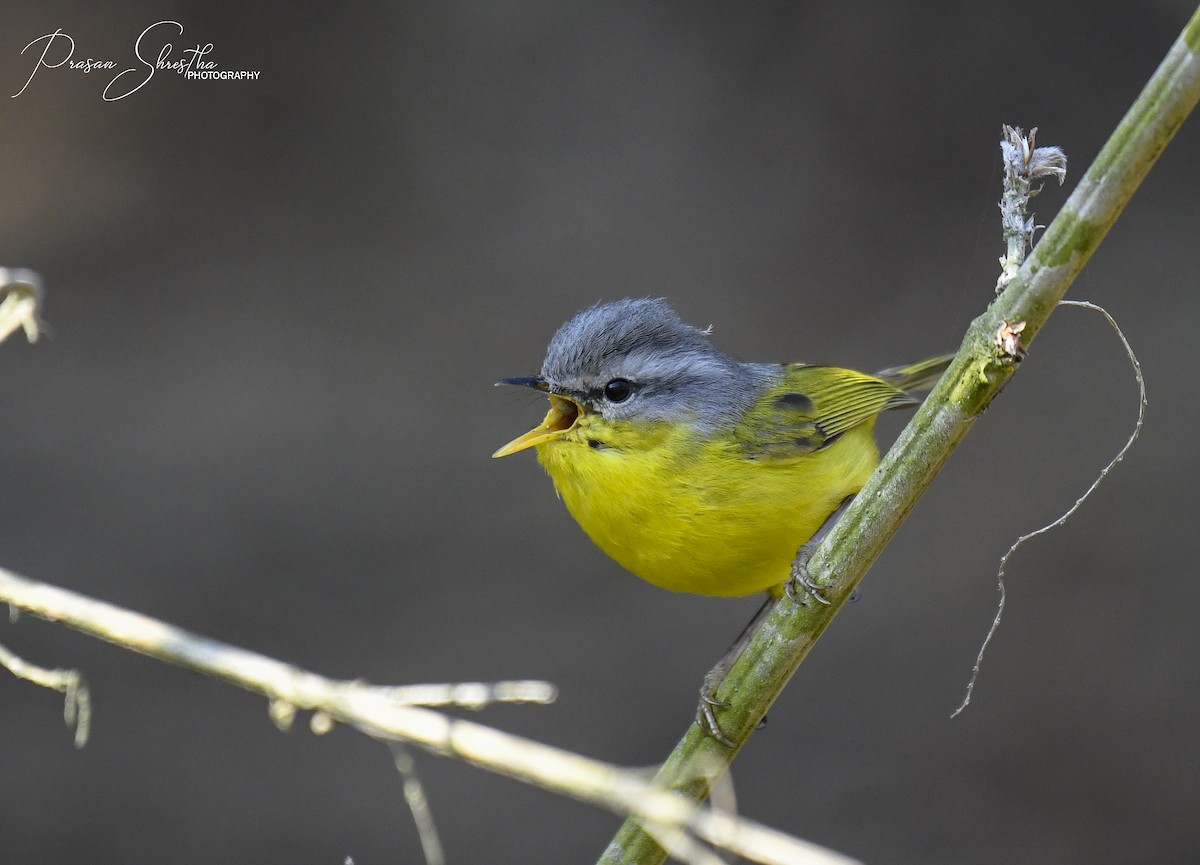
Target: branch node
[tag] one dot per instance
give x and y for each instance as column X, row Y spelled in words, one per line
column 321, row 723
column 1008, row 339
column 282, row 714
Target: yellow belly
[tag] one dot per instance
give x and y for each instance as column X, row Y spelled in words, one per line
column 703, row 517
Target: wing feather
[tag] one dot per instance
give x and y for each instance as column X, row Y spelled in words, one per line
column 811, row 406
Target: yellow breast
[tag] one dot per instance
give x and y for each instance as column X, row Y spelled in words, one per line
column 702, row 516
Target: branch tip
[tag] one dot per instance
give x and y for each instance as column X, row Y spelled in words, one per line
column 1024, row 164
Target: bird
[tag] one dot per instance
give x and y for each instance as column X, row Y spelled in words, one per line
column 698, row 472
column 693, row 470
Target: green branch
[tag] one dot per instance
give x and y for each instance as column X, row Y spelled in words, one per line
column 976, row 376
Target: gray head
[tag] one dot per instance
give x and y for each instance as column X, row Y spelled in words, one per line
column 636, row 358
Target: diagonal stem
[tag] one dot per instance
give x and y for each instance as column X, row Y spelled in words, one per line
column 976, row 376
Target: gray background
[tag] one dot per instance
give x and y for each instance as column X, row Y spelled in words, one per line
column 265, row 413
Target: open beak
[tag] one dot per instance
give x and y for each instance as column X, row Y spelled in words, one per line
column 561, row 418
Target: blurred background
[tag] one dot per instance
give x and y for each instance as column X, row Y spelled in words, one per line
column 264, row 412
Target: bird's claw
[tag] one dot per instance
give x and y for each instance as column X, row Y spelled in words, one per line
column 706, row 718
column 801, row 585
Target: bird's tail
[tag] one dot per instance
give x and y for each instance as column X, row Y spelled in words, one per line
column 917, row 377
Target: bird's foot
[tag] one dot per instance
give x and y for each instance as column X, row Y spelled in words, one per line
column 706, row 716
column 801, row 586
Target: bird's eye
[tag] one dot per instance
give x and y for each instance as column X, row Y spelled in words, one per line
column 618, row 390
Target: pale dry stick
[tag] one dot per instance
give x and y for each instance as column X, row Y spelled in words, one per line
column 681, row 846
column 288, row 687
column 1133, row 436
column 77, row 711
column 418, row 805
column 618, row 789
column 20, row 305
column 375, row 712
column 472, row 695
column 20, row 302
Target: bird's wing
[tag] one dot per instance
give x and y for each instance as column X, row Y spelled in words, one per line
column 810, row 406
